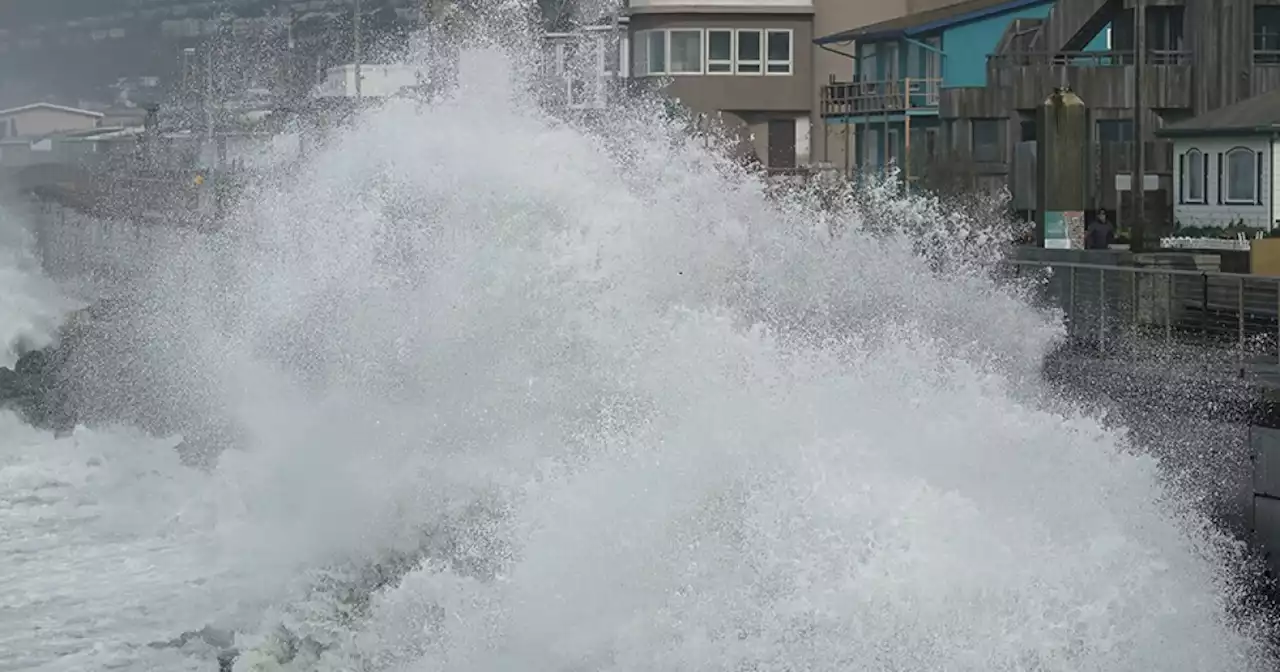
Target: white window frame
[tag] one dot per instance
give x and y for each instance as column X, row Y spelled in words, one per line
column 702, row 49
column 791, row 52
column 732, row 62
column 738, row 61
column 648, row 53
column 1253, row 177
column 1193, row 176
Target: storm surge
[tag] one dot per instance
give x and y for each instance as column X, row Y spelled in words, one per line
column 481, row 389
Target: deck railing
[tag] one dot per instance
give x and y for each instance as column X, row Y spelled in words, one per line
column 1114, row 305
column 1087, row 59
column 897, row 95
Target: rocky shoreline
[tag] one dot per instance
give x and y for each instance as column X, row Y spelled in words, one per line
column 35, row 387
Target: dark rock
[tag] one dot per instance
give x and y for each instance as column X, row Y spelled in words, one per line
column 35, row 386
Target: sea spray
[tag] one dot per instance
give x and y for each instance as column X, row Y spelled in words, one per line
column 603, row 413
column 32, row 308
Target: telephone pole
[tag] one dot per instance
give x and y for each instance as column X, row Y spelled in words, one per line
column 1138, row 182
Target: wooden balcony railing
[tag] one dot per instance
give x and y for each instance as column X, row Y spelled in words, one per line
column 1087, row 59
column 899, row 95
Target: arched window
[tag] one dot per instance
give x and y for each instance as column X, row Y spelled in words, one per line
column 1242, row 176
column 1193, row 177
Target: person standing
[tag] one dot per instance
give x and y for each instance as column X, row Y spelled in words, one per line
column 1100, row 233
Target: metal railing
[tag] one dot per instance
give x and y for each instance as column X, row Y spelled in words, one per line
column 1115, row 306
column 898, row 95
column 1086, row 59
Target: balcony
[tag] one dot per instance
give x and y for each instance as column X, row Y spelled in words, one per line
column 1100, row 78
column 899, row 96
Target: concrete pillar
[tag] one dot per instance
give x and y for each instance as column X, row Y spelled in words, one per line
column 1062, row 169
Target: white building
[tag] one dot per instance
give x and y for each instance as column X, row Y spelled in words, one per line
column 1225, row 163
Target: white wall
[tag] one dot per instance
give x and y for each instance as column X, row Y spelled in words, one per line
column 804, row 150
column 1216, row 211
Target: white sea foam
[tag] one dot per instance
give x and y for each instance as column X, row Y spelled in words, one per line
column 611, row 409
column 32, row 307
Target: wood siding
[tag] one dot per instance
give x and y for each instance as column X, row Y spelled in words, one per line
column 1165, row 86
column 987, row 102
column 1072, row 23
column 1220, row 36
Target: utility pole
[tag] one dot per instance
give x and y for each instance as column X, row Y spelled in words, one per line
column 355, row 26
column 208, row 96
column 1138, row 182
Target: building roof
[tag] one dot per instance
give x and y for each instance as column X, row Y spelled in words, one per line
column 927, row 22
column 50, row 106
column 1256, row 115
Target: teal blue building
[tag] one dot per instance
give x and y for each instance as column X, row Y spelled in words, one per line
column 901, row 68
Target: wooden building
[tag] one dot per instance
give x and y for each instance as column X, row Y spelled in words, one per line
column 969, row 78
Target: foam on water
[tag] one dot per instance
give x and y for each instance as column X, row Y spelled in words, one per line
column 589, row 401
column 31, row 307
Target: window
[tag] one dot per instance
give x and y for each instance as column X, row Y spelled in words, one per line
column 1193, row 177
column 933, row 58
column 779, row 52
column 867, row 63
column 1115, row 130
column 985, row 140
column 887, row 55
column 719, row 52
column 749, row 51
column 640, row 54
column 657, row 41
column 1266, row 34
column 1164, row 29
column 1242, row 176
column 713, row 51
column 686, row 52
column 1027, row 130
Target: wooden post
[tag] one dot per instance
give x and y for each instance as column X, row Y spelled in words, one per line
column 1062, row 151
column 848, row 148
column 884, row 129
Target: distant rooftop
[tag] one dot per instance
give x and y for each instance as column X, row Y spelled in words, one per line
column 926, row 22
column 1256, row 115
column 49, row 106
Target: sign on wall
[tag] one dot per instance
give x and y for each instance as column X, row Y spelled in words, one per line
column 1064, row 230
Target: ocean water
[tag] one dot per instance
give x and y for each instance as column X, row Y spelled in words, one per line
column 476, row 388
